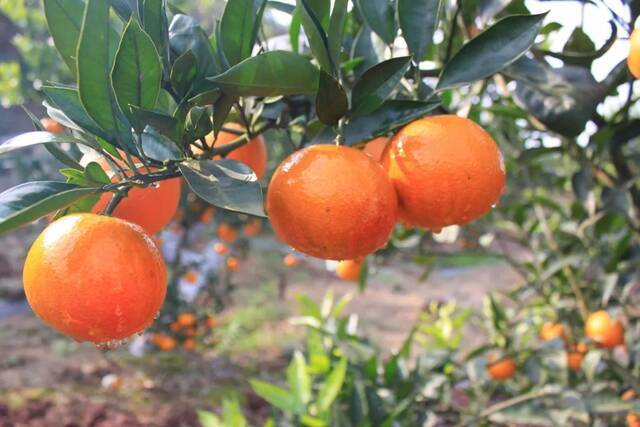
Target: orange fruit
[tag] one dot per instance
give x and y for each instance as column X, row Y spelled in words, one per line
column 550, row 331
column 629, row 395
column 233, row 264
column 212, row 322
column 446, row 169
column 95, row 278
column 332, row 202
column 606, row 332
column 191, row 277
column 191, row 332
column 502, row 369
column 633, row 60
column 349, row 270
column 227, row 233
column 152, row 207
column 375, row 147
column 164, row 342
column 207, row 216
column 290, row 261
column 186, row 320
column 175, row 327
column 51, row 125
column 575, row 356
column 220, row 248
column 189, row 344
column 252, row 154
column 252, row 228
column 633, row 419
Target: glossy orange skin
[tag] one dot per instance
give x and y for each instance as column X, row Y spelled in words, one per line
column 332, row 202
column 220, row 248
column 606, row 332
column 227, row 233
column 95, row 278
column 375, row 147
column 446, row 169
column 349, row 270
column 633, row 60
column 51, row 125
column 233, row 264
column 152, row 207
column 502, row 369
column 290, row 261
column 252, row 228
column 550, row 331
column 252, row 154
column 186, row 320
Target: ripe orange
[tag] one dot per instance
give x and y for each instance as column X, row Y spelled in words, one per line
column 633, row 419
column 252, row 228
column 191, row 277
column 606, row 332
column 633, row 60
column 212, row 322
column 290, row 261
column 349, row 270
column 332, row 202
column 502, row 369
column 191, row 332
column 575, row 356
column 189, row 344
column 175, row 327
column 95, row 278
column 163, row 342
column 152, row 207
column 220, row 248
column 550, row 331
column 233, row 264
column 446, row 169
column 252, row 154
column 207, row 216
column 51, row 125
column 186, row 320
column 227, row 233
column 375, row 147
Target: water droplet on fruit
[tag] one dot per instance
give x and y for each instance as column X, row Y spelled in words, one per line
column 493, row 206
column 155, row 185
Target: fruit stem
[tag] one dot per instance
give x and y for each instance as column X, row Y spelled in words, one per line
column 115, row 200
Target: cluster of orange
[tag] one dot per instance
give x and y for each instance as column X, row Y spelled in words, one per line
column 340, row 203
column 600, row 328
column 184, row 331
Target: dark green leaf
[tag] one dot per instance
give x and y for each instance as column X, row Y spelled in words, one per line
column 137, row 71
column 64, row 19
column 94, row 65
column 35, row 138
column 294, row 30
column 185, row 34
column 264, row 75
column 198, row 124
column 317, row 37
column 158, row 147
column 281, row 6
column 160, row 121
column 368, row 48
column 225, row 183
column 336, row 29
column 391, row 115
column 331, row 101
column 125, row 8
column 418, row 21
column 238, row 28
column 68, row 100
column 377, row 84
column 27, row 202
column 184, row 72
column 380, row 16
column 206, row 98
column 491, row 51
column 156, row 25
column 221, row 111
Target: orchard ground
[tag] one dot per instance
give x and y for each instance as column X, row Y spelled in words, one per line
column 44, row 375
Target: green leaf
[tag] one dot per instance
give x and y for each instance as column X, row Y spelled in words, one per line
column 281, row 6
column 332, row 386
column 94, row 66
column 29, row 139
column 67, row 99
column 491, row 51
column 294, row 31
column 125, row 8
column 336, row 29
column 390, row 116
column 363, row 276
column 317, row 37
column 331, row 101
column 233, row 414
column 159, row 120
column 198, row 124
column 184, row 72
column 156, row 25
column 380, row 16
column 418, row 21
column 209, row 97
column 277, row 396
column 64, row 19
column 368, row 48
column 158, row 147
column 185, row 34
column 298, row 378
column 377, row 84
column 27, row 202
column 137, row 71
column 225, row 183
column 264, row 75
column 239, row 28
column 209, row 419
column 221, row 111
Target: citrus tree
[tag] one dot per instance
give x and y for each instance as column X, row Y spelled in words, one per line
column 458, row 93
